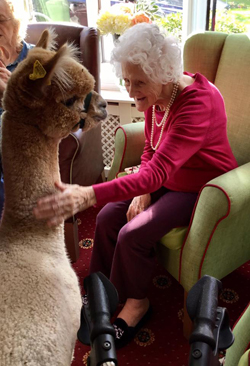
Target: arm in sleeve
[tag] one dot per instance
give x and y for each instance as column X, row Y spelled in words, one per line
column 185, row 137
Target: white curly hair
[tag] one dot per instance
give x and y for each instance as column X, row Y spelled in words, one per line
column 158, row 54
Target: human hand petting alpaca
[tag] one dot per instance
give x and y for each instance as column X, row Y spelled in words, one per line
column 70, row 199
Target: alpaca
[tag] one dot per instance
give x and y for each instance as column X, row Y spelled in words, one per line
column 40, row 301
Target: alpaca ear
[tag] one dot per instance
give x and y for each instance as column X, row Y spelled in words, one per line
column 44, row 39
column 47, row 39
column 44, row 72
column 53, row 66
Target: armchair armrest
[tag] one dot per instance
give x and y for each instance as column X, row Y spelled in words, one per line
column 222, row 208
column 129, row 144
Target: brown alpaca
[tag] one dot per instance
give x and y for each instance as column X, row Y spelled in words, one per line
column 40, row 299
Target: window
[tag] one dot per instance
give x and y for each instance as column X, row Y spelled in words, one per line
column 178, row 16
column 57, row 10
column 85, row 12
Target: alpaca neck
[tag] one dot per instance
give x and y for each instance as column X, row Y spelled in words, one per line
column 30, row 165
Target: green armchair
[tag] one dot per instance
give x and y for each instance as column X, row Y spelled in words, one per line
column 217, row 239
column 238, row 354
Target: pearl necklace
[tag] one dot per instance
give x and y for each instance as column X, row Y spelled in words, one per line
column 164, row 119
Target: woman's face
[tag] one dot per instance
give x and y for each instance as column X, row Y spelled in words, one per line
column 7, row 33
column 144, row 91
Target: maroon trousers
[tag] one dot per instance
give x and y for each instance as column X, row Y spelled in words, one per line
column 124, row 251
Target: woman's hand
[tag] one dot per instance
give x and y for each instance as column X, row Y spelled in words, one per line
column 4, row 77
column 58, row 207
column 138, row 205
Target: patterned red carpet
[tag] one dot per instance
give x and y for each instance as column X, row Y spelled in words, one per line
column 161, row 342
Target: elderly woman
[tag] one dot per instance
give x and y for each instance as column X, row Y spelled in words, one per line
column 186, row 145
column 13, row 49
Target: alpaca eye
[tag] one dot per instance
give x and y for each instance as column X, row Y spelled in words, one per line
column 69, row 102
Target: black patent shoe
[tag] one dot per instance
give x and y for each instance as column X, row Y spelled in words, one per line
column 124, row 333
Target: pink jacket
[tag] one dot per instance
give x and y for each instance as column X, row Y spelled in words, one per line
column 194, row 147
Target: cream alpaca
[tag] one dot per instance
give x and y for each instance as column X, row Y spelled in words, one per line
column 40, row 299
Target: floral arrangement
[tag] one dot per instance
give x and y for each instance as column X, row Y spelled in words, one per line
column 123, row 16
